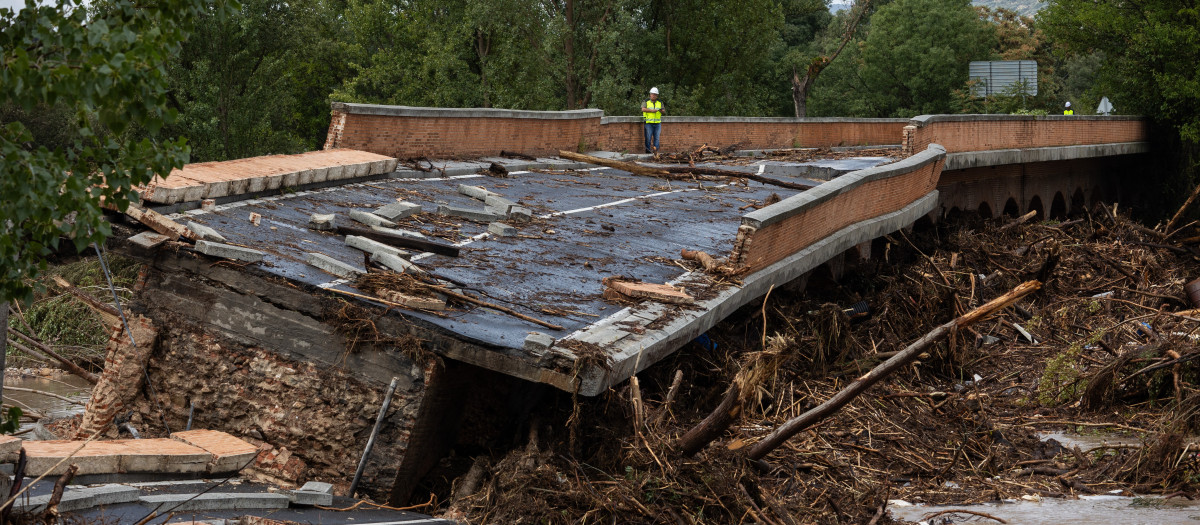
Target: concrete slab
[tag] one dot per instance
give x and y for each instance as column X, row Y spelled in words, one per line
column 323, row 221
column 520, row 214
column 475, row 192
column 149, row 240
column 396, row 263
column 229, row 454
column 205, row 232
column 97, row 457
column 229, row 251
column 370, row 219
column 373, row 247
column 215, row 501
column 161, row 455
column 500, row 203
column 469, row 213
column 538, row 342
column 501, row 229
column 333, row 266
column 313, row 493
column 398, row 210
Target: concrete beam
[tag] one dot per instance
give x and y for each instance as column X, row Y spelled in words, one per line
column 976, row 159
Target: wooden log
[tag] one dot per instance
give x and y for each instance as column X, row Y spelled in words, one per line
column 1186, row 204
column 704, row 259
column 636, row 169
column 742, row 175
column 400, row 241
column 846, row 395
column 712, row 426
column 45, row 349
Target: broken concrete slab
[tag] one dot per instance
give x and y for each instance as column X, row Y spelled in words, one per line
column 396, row 263
column 373, row 247
column 370, row 219
column 475, row 192
column 229, row 454
column 413, row 301
column 538, row 342
column 398, row 231
column 500, row 203
column 110, row 494
column 520, row 214
column 468, row 213
column 501, row 229
column 10, row 447
column 398, row 210
column 97, row 457
column 216, row 501
column 323, row 222
column 205, row 232
column 301, row 496
column 229, row 251
column 71, row 501
column 160, row 223
column 161, row 455
column 333, row 266
column 149, row 240
column 655, row 292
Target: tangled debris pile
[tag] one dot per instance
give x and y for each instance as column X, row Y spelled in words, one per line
column 1107, row 343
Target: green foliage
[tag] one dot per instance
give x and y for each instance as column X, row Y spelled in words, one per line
column 915, row 54
column 1151, row 49
column 12, row 421
column 109, row 69
column 61, row 320
column 1062, row 380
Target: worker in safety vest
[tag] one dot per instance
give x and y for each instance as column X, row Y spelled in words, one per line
column 652, row 113
column 1068, row 110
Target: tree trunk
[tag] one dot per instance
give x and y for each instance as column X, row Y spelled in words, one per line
column 3, row 344
column 801, row 86
column 846, row 395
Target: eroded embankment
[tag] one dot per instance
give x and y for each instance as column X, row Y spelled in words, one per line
column 1104, row 345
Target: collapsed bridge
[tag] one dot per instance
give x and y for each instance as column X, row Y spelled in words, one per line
column 264, row 329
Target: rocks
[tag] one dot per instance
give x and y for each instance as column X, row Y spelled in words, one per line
column 229, row 251
column 520, row 214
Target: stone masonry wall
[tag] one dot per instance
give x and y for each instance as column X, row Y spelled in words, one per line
column 310, row 421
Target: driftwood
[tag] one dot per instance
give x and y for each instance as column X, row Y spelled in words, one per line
column 649, row 171
column 814, row 416
column 714, row 425
column 45, row 349
column 704, row 259
column 1179, row 214
column 50, row 515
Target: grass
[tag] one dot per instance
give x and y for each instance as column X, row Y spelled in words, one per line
column 65, row 323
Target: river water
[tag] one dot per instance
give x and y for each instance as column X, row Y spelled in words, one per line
column 1087, row 510
column 66, row 385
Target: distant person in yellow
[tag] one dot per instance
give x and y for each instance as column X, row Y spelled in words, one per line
column 1068, row 110
column 652, row 113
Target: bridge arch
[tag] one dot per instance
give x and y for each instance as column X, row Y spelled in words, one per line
column 1011, row 208
column 1058, row 206
column 985, row 210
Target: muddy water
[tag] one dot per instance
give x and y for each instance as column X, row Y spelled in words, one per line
column 65, row 385
column 1089, row 510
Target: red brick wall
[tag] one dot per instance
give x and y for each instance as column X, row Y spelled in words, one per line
column 412, row 135
column 959, row 133
column 453, row 137
column 774, row 242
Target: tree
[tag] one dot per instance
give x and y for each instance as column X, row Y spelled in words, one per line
column 914, row 56
column 109, row 69
column 802, row 85
column 1150, row 51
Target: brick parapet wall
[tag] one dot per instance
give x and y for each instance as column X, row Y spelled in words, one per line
column 961, row 133
column 773, row 233
column 406, row 132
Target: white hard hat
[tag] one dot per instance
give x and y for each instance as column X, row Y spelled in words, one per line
column 654, row 91
column 1068, row 104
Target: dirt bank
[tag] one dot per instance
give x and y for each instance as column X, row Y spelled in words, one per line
column 1106, row 345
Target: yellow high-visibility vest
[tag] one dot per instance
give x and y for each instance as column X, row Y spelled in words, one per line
column 1068, row 112
column 655, row 117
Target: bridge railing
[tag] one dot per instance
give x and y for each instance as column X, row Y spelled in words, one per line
column 779, row 231
column 962, row 133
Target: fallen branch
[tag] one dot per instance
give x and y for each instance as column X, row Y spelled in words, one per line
column 928, row 517
column 50, row 515
column 110, row 314
column 1019, row 220
column 44, row 393
column 639, row 169
column 45, row 349
column 498, row 308
column 812, row 417
column 1179, row 214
